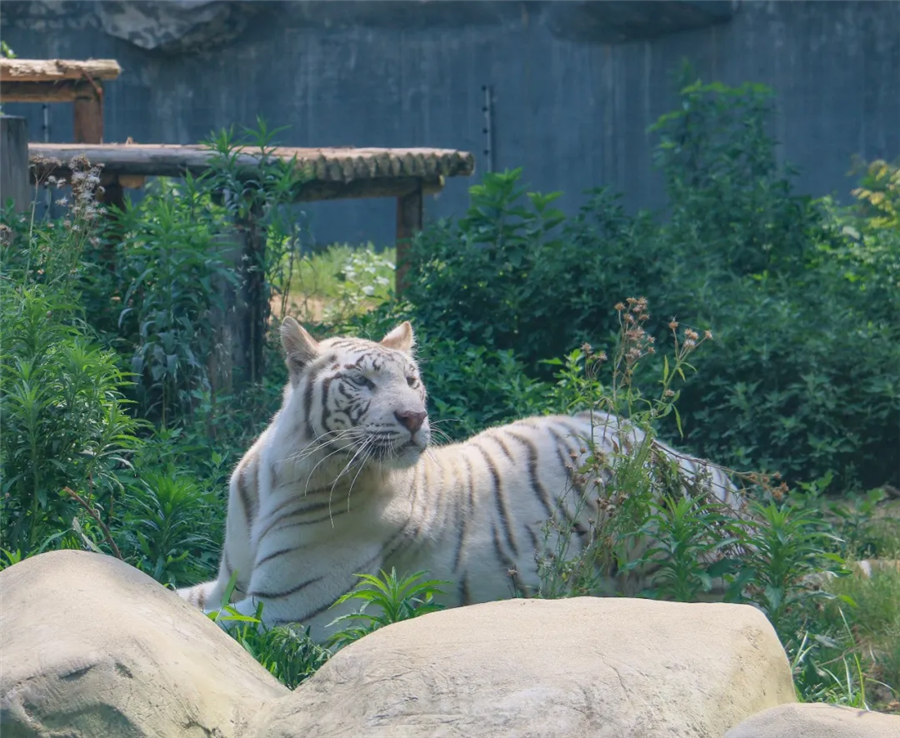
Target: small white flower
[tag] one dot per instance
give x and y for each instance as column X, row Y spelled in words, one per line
column 368, row 290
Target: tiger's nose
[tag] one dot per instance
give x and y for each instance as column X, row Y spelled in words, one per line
column 411, row 419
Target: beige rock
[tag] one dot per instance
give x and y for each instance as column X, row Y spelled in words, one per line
column 92, row 647
column 578, row 667
column 817, row 721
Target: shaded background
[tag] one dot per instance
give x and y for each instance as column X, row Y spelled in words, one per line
column 574, row 84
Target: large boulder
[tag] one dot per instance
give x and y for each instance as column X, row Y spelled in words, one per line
column 176, row 26
column 93, row 647
column 817, row 721
column 577, row 667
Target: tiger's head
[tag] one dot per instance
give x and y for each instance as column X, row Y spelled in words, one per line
column 358, row 397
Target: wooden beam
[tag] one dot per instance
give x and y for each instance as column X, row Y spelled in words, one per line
column 63, row 91
column 88, row 113
column 409, row 223
column 52, row 70
column 14, row 162
column 338, row 165
column 130, row 174
column 367, row 188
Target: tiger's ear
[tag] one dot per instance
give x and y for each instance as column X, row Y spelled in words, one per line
column 299, row 347
column 401, row 338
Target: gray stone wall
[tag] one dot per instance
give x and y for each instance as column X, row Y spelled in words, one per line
column 575, row 85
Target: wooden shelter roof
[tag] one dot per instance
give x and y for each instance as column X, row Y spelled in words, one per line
column 330, row 172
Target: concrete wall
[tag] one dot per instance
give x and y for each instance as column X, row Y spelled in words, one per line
column 572, row 111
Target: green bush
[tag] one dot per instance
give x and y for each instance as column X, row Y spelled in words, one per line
column 171, row 271
column 164, row 527
column 802, row 297
column 513, row 275
column 65, row 434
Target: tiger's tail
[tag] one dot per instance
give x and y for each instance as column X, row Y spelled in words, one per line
column 204, row 595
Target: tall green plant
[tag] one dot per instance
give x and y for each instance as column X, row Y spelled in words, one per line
column 189, row 255
column 65, row 434
column 165, row 521
column 172, row 268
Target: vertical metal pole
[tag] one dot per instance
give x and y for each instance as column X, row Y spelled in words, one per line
column 488, row 129
column 48, row 195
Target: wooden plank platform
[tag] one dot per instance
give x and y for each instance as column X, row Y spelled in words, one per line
column 57, row 70
column 62, row 80
column 331, row 173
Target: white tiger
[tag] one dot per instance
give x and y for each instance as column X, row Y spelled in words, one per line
column 340, row 483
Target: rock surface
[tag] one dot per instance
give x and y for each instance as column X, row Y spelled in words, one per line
column 578, row 667
column 189, row 26
column 93, row 647
column 817, row 721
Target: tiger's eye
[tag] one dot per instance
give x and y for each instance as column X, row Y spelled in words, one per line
column 362, row 381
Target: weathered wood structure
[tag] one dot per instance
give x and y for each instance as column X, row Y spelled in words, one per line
column 62, row 80
column 328, row 173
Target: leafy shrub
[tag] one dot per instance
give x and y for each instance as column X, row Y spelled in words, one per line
column 336, row 283
column 285, row 651
column 512, row 275
column 171, row 268
column 288, row 652
column 365, row 278
column 185, row 258
column 398, row 598
column 869, row 610
column 775, row 555
column 164, row 524
column 65, row 432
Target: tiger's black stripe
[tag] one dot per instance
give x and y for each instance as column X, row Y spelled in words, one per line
column 244, row 494
column 275, row 517
column 572, row 523
column 288, row 592
column 311, row 375
column 536, row 485
column 470, row 505
column 498, row 549
column 275, row 555
column 499, row 499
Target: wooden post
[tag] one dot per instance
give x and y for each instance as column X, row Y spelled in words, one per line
column 241, row 319
column 225, row 318
column 113, row 194
column 14, row 182
column 409, row 222
column 254, row 294
column 88, row 110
